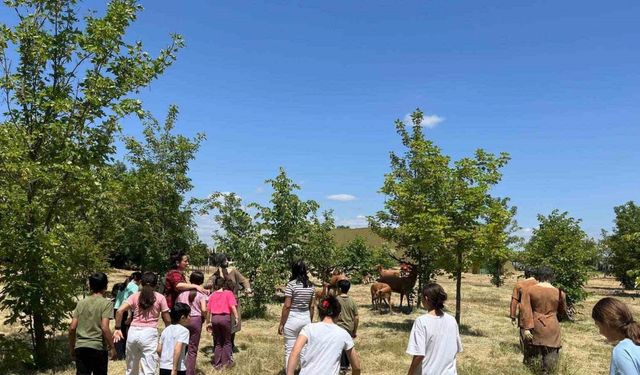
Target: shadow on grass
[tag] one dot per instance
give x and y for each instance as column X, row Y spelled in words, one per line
column 404, row 326
column 465, row 330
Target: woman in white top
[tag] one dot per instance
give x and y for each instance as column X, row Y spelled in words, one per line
column 324, row 342
column 434, row 341
column 297, row 310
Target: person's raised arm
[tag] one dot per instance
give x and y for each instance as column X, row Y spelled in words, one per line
column 295, row 354
column 182, row 286
column 416, row 362
column 286, row 308
column 354, row 359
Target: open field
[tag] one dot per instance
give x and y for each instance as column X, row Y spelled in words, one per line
column 490, row 341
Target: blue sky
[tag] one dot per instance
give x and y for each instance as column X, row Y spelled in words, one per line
column 315, row 87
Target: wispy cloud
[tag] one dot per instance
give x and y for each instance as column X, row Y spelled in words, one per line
column 341, row 197
column 428, row 121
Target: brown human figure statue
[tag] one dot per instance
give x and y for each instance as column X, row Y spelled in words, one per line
column 516, row 297
column 222, row 269
column 540, row 307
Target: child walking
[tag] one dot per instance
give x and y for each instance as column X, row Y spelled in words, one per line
column 142, row 342
column 89, row 332
column 434, row 341
column 324, row 342
column 174, row 341
column 615, row 321
column 222, row 303
column 197, row 302
column 348, row 318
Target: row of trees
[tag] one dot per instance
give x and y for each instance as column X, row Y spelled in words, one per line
column 264, row 240
column 443, row 215
column 67, row 206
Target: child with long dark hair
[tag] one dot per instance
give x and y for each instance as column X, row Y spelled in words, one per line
column 297, row 310
column 197, row 301
column 222, row 303
column 323, row 343
column 615, row 321
column 142, row 343
column 434, row 341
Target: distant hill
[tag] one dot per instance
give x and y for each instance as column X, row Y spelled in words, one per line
column 345, row 235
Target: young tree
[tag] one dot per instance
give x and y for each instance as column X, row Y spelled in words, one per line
column 560, row 244
column 239, row 237
column 154, row 219
column 498, row 239
column 286, row 224
column 416, row 190
column 624, row 244
column 67, row 89
column 436, row 211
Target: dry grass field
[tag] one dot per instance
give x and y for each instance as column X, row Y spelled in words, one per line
column 490, row 341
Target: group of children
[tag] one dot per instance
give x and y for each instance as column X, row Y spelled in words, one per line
column 139, row 308
column 325, row 347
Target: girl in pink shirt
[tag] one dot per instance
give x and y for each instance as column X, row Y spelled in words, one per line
column 222, row 303
column 198, row 303
column 142, row 340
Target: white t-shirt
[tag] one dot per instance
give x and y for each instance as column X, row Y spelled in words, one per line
column 172, row 335
column 438, row 340
column 325, row 343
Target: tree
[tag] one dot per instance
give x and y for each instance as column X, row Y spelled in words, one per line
column 560, row 244
column 240, row 238
column 71, row 84
column 415, row 187
column 498, row 239
column 154, row 219
column 624, row 244
column 437, row 211
column 286, row 224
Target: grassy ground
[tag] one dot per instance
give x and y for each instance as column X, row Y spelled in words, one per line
column 490, row 341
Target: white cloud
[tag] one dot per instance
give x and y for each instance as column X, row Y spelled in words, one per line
column 259, row 189
column 359, row 221
column 341, row 197
column 429, row 121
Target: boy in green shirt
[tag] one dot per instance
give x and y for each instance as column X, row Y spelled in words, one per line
column 89, row 333
column 348, row 318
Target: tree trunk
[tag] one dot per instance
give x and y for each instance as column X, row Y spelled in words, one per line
column 40, row 342
column 458, row 285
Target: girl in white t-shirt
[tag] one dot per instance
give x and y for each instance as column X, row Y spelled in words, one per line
column 434, row 341
column 323, row 342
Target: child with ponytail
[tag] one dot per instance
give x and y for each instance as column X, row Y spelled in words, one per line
column 142, row 341
column 615, row 321
column 323, row 342
column 434, row 341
